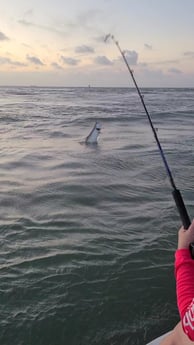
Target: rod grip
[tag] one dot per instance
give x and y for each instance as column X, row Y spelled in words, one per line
column 183, row 214
column 181, row 208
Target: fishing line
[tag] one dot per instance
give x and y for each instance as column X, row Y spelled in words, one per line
column 175, row 192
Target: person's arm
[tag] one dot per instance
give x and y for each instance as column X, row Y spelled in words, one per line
column 184, row 272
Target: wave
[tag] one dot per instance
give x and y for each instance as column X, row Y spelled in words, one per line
column 86, row 231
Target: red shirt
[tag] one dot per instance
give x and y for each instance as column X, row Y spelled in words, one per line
column 184, row 272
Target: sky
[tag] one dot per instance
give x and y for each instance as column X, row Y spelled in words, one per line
column 61, row 42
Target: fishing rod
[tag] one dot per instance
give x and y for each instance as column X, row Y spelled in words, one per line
column 175, row 192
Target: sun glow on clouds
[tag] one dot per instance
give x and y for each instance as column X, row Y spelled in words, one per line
column 63, row 47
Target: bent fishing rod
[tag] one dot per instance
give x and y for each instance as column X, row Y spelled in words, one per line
column 175, row 192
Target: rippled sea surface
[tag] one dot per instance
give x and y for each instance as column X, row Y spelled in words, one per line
column 88, row 233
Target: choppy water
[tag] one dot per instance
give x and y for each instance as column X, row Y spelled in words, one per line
column 88, row 233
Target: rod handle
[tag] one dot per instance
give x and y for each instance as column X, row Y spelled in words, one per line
column 181, row 208
column 183, row 214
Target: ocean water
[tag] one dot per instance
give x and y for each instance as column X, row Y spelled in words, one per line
column 88, row 232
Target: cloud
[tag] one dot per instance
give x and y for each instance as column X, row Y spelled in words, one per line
column 69, row 61
column 100, row 39
column 26, row 23
column 26, row 45
column 87, row 20
column 103, row 60
column 165, row 62
column 142, row 64
column 8, row 61
column 84, row 49
column 35, row 60
column 3, row 37
column 131, row 56
column 148, row 46
column 189, row 54
column 174, row 70
column 29, row 13
column 56, row 65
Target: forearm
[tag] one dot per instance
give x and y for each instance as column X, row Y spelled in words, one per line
column 184, row 271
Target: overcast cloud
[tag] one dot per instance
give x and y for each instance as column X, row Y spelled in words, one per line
column 70, row 61
column 8, row 61
column 103, row 60
column 35, row 60
column 3, row 37
column 131, row 56
column 84, row 49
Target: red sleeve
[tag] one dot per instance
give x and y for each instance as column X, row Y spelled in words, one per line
column 184, row 272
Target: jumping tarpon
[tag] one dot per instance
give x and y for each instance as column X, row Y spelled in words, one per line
column 93, row 136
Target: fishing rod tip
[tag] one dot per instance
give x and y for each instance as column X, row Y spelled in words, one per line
column 106, row 38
